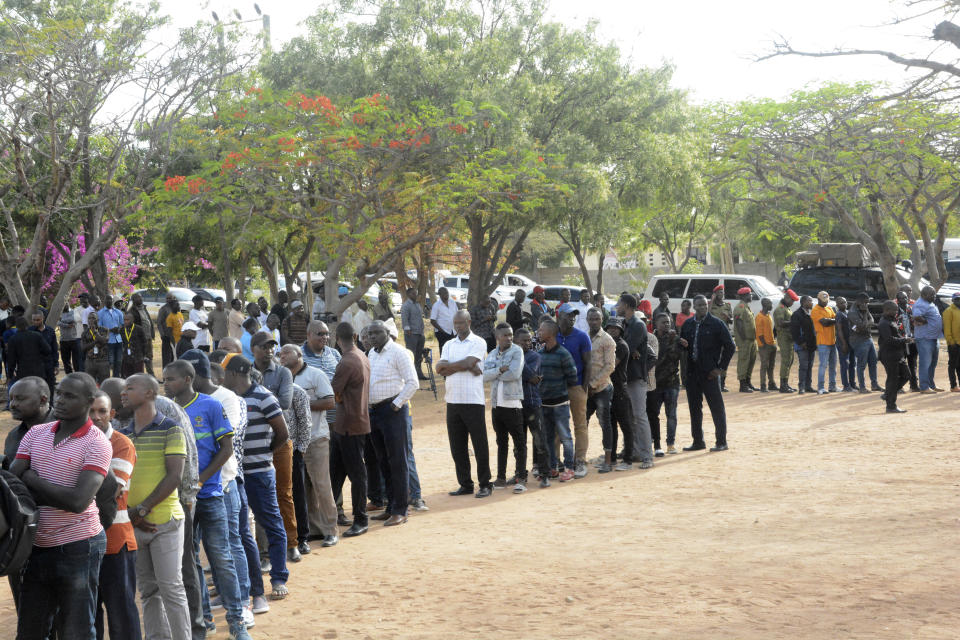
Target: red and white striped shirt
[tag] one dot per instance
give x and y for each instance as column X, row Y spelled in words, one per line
column 87, row 449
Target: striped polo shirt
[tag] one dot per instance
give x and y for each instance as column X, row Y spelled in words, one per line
column 85, row 450
column 261, row 407
column 159, row 439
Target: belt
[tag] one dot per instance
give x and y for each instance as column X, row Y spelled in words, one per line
column 377, row 405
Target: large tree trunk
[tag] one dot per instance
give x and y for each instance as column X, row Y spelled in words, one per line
column 269, row 267
column 601, row 257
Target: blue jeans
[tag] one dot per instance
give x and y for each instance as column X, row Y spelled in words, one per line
column 118, row 595
column 232, row 502
column 927, row 355
column 848, row 367
column 667, row 397
column 61, row 581
column 250, row 550
column 116, row 357
column 210, row 525
column 414, row 479
column 599, row 403
column 827, row 354
column 556, row 422
column 261, row 491
column 866, row 355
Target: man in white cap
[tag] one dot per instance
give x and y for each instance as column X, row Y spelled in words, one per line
column 824, row 324
column 188, row 332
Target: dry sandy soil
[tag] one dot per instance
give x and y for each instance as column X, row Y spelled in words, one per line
column 826, row 519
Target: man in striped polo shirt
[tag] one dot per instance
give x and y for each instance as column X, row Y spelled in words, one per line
column 157, row 513
column 266, row 431
column 63, row 463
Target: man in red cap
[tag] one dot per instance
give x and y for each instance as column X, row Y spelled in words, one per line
column 745, row 337
column 781, row 323
column 721, row 309
column 538, row 306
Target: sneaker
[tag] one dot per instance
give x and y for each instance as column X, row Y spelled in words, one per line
column 260, row 604
column 210, row 625
column 954, row 389
column 581, row 470
column 419, row 505
column 821, row 392
column 499, row 483
column 672, row 449
column 847, row 390
column 599, row 460
column 239, row 632
column 658, row 453
column 544, row 482
column 535, row 473
column 566, row 475
column 647, row 464
column 265, row 565
column 248, row 617
column 604, row 468
column 624, row 466
column 554, row 473
column 519, row 488
column 216, row 602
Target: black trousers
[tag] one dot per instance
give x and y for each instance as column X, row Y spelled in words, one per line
column 300, row 497
column 442, row 338
column 389, row 435
column 621, row 414
column 698, row 387
column 533, row 422
column 346, row 461
column 468, row 421
column 912, row 356
column 70, row 354
column 166, row 350
column 898, row 374
column 415, row 342
column 953, row 364
column 376, row 482
column 508, row 424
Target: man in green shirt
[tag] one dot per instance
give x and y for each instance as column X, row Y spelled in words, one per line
column 745, row 336
column 781, row 325
column 721, row 309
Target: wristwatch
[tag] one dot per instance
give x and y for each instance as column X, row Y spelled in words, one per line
column 141, row 510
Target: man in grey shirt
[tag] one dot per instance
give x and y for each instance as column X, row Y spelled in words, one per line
column 411, row 317
column 861, row 341
column 69, row 339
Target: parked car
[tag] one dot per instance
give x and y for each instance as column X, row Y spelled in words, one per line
column 684, row 286
column 153, row 299
column 210, row 295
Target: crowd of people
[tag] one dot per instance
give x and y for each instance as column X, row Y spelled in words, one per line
column 267, row 413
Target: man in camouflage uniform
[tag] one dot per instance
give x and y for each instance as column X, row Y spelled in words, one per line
column 781, row 324
column 721, row 309
column 745, row 336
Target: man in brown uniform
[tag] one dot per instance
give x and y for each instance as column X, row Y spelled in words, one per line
column 351, row 389
column 724, row 311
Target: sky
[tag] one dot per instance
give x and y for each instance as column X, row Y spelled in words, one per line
column 711, row 43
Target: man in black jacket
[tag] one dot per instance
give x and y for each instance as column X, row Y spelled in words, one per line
column 51, row 362
column 27, row 352
column 515, row 310
column 804, row 343
column 709, row 349
column 893, row 355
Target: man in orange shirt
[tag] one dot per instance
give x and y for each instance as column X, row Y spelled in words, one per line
column 824, row 325
column 118, row 571
column 766, row 345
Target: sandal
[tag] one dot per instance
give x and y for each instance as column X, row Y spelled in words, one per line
column 279, row 592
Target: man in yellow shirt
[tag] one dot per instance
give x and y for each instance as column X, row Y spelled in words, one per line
column 174, row 322
column 825, row 326
column 766, row 345
column 951, row 332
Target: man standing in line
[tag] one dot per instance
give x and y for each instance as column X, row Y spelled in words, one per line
column 578, row 345
column 905, row 320
column 50, row 362
column 69, row 339
column 638, row 370
column 88, row 304
column 603, row 360
column 311, row 468
column 27, row 353
column 582, row 306
column 351, row 389
column 861, row 341
column 393, row 381
column 112, row 319
column 824, row 324
column 266, row 433
column 141, row 317
column 198, row 316
column 118, row 571
column 96, row 358
column 538, row 305
column 709, row 348
column 621, row 413
column 804, row 343
column 721, row 309
column 381, row 310
column 951, row 332
column 63, row 465
column 532, row 418
column 235, row 319
column 134, row 346
column 745, row 338
column 766, row 346
column 781, row 323
column 515, row 310
column 558, row 375
column 667, row 390
column 503, row 369
column 928, row 328
column 441, row 317
column 219, row 322
column 293, row 328
column 319, row 354
column 280, row 309
column 460, row 364
column 157, row 513
column 846, row 357
column 893, row 355
column 662, row 309
column 411, row 317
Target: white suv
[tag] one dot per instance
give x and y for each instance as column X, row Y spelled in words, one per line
column 684, row 286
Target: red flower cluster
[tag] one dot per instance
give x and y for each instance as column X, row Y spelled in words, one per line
column 239, row 115
column 358, row 118
column 287, row 144
column 374, row 100
column 196, row 185
column 458, row 128
column 412, row 143
column 233, row 159
column 820, row 197
column 174, row 183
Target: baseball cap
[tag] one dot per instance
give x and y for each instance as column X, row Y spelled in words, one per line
column 236, row 363
column 199, row 360
column 566, row 307
column 261, row 338
column 296, row 304
column 189, row 326
column 614, row 321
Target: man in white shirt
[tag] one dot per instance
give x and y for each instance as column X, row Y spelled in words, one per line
column 460, row 361
column 583, row 306
column 199, row 317
column 441, row 317
column 393, row 381
column 357, row 315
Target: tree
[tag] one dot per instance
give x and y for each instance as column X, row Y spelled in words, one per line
column 588, row 219
column 79, row 151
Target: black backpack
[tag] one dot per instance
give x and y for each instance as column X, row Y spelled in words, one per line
column 18, row 523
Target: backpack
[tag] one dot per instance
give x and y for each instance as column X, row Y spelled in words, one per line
column 18, row 523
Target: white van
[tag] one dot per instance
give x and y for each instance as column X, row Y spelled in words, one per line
column 684, row 286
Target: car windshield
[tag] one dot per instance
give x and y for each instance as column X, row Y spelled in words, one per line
column 764, row 287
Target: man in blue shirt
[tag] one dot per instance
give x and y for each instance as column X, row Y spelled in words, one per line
column 112, row 320
column 578, row 344
column 214, row 436
column 928, row 327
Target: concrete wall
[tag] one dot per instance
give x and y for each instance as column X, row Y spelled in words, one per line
column 617, row 280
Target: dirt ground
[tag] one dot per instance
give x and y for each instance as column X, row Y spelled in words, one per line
column 826, row 519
